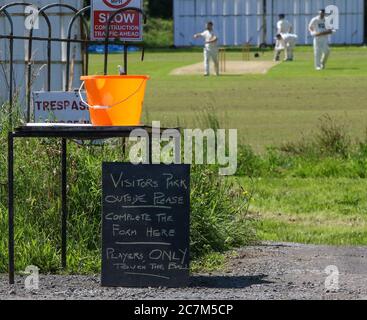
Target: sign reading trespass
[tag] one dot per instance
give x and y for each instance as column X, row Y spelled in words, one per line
column 59, row 107
column 145, row 227
column 126, row 26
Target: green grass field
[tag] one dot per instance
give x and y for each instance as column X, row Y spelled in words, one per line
column 268, row 110
column 312, row 210
column 310, row 192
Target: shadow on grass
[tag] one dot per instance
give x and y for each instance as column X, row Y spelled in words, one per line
column 228, row 282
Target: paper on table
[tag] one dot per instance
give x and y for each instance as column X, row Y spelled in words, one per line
column 58, row 125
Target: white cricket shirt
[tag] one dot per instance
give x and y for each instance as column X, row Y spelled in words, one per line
column 208, row 36
column 318, row 25
column 284, row 26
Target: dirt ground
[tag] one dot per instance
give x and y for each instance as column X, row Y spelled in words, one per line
column 270, row 271
column 231, row 68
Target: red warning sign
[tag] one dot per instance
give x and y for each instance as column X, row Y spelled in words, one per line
column 126, row 26
column 117, row 4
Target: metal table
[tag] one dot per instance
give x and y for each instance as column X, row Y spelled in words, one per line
column 80, row 132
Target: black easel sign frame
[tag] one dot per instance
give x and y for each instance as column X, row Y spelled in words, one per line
column 145, row 225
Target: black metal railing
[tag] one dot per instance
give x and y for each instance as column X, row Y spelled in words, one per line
column 84, row 40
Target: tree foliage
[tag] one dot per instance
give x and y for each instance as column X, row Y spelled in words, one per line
column 160, row 8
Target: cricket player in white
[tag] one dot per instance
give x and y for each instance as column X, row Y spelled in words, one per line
column 210, row 49
column 283, row 26
column 288, row 41
column 318, row 30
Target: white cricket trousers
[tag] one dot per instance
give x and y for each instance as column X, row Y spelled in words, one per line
column 211, row 54
column 321, row 51
column 289, row 52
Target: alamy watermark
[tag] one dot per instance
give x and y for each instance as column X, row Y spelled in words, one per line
column 332, row 17
column 332, row 280
column 31, row 282
column 197, row 146
column 32, row 18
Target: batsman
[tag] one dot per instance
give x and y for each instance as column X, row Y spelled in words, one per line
column 320, row 32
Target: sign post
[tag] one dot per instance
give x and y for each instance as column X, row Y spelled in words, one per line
column 126, row 26
column 145, row 225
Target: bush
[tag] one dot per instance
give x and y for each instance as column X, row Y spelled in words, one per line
column 160, row 8
column 249, row 164
column 327, row 153
column 158, row 33
column 219, row 213
column 331, row 139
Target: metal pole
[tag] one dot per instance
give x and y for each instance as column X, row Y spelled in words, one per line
column 11, row 205
column 264, row 21
column 64, row 203
column 105, row 69
column 29, row 67
column 272, row 19
column 11, row 102
column 143, row 53
column 68, row 40
column 125, row 57
column 29, row 77
column 68, row 48
column 11, row 64
column 107, row 35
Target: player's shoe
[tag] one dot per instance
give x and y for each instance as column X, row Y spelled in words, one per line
column 322, row 66
column 318, row 68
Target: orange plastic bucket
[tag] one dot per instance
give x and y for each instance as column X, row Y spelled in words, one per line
column 115, row 100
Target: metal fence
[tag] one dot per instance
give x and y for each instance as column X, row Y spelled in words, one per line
column 58, row 16
column 18, row 50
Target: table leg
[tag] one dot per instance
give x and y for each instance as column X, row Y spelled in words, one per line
column 64, row 203
column 124, row 148
column 11, row 205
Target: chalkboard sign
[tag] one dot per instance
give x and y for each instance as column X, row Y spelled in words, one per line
column 145, row 228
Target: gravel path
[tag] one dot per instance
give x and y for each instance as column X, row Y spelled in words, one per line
column 270, row 271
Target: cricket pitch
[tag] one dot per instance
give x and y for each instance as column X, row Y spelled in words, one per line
column 232, row 68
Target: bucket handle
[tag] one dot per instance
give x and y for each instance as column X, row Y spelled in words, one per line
column 108, row 107
column 86, row 103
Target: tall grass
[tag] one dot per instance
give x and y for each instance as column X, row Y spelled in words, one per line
column 329, row 152
column 331, row 139
column 311, row 190
column 220, row 219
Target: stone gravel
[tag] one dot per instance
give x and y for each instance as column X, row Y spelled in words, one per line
column 268, row 271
